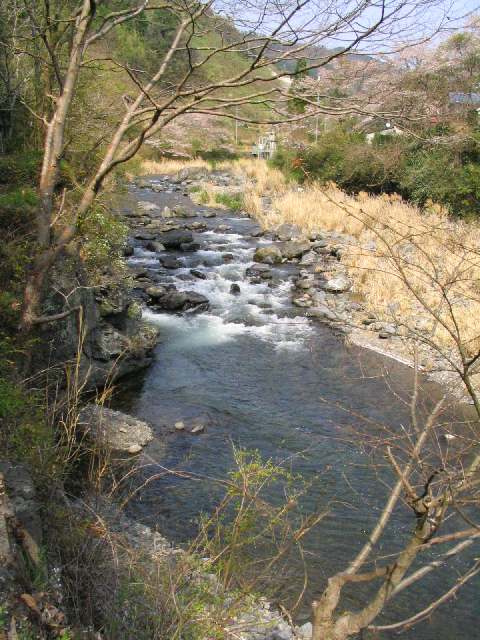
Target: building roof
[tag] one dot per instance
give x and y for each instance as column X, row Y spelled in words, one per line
column 458, row 97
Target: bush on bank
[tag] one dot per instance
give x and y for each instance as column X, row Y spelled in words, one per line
column 434, row 170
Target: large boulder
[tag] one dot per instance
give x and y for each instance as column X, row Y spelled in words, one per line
column 268, row 254
column 113, row 430
column 322, row 312
column 174, row 239
column 183, row 301
column 189, row 173
column 169, row 262
column 148, row 206
column 262, row 271
column 183, row 212
column 155, row 293
column 309, row 258
column 288, row 232
column 337, row 284
column 153, row 245
column 293, row 248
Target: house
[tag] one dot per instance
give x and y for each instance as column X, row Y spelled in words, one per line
column 387, row 131
column 266, row 146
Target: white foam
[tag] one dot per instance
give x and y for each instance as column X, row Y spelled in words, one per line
column 196, row 331
column 143, row 261
column 252, row 311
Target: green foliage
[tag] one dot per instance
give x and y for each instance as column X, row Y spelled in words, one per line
column 141, row 43
column 26, row 434
column 253, row 524
column 11, row 399
column 217, row 154
column 3, row 617
column 21, row 168
column 196, row 146
column 231, row 201
column 103, row 237
column 18, row 199
column 296, row 104
column 420, row 172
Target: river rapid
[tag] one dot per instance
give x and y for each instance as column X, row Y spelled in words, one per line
column 261, row 375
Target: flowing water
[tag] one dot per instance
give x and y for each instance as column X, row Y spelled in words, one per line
column 264, row 377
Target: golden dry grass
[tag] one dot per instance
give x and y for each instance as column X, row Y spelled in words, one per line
column 170, row 167
column 418, row 268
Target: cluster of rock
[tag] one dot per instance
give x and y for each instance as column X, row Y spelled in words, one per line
column 21, row 544
column 162, row 230
column 111, row 335
column 322, row 286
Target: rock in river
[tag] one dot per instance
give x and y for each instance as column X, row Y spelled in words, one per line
column 183, row 301
column 235, row 289
column 174, row 239
column 168, row 262
column 293, row 249
column 288, row 232
column 338, row 284
column 201, row 275
column 189, row 246
column 269, row 254
column 153, row 245
column 148, row 206
column 115, row 430
column 156, row 292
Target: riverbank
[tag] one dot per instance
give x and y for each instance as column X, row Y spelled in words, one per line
column 225, row 294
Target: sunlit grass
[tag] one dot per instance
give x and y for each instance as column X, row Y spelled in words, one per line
column 416, row 267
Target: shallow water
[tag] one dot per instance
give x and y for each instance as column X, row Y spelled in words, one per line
column 265, row 378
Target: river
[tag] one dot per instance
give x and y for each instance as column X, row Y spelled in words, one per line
column 262, row 376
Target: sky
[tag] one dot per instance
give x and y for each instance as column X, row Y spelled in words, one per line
column 416, row 20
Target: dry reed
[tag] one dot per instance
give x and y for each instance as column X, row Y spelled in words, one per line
column 418, row 268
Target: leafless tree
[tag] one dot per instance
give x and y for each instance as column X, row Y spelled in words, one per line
column 58, row 38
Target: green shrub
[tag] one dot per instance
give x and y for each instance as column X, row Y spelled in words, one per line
column 18, row 199
column 217, row 154
column 231, row 201
column 21, row 168
column 446, row 174
column 26, row 435
column 103, row 237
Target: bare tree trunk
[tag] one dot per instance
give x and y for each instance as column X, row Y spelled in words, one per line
column 54, row 141
column 326, row 627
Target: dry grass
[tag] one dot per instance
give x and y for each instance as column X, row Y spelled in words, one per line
column 170, row 167
column 417, row 268
column 260, row 177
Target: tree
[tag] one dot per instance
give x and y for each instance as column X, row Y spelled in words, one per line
column 297, row 105
column 58, row 37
